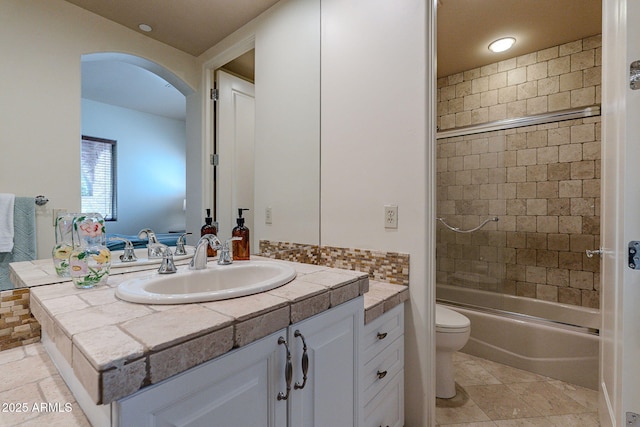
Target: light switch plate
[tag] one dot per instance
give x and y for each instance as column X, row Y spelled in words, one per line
column 268, row 216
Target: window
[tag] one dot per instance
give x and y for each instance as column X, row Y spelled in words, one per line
column 98, row 176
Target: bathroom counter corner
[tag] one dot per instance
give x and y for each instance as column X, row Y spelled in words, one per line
column 381, row 298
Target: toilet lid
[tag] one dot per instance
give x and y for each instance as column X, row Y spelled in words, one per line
column 447, row 319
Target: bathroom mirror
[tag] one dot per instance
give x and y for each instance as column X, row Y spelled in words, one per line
column 277, row 174
column 285, row 169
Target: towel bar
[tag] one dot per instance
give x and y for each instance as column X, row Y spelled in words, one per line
column 41, row 200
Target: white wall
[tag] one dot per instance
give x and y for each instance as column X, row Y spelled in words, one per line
column 287, row 101
column 41, row 44
column 151, row 166
column 377, row 127
column 287, row 120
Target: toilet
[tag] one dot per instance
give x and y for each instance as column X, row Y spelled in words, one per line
column 452, row 333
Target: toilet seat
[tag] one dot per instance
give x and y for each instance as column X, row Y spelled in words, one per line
column 450, row 321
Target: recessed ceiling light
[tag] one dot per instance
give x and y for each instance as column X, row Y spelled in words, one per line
column 146, row 28
column 502, row 44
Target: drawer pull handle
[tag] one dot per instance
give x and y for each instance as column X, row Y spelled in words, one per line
column 288, row 371
column 382, row 374
column 382, row 335
column 305, row 361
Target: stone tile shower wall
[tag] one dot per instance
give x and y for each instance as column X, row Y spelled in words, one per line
column 542, row 182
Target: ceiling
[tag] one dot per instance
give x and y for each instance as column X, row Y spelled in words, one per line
column 192, row 26
column 465, row 29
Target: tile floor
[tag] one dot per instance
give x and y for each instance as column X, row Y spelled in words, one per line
column 495, row 395
column 32, row 393
column 489, row 395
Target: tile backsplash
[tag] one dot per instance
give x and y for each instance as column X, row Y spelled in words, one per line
column 17, row 325
column 389, row 267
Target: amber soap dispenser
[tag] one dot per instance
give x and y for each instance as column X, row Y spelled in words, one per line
column 241, row 246
column 209, row 228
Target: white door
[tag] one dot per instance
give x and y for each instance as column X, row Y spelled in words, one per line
column 235, row 137
column 620, row 332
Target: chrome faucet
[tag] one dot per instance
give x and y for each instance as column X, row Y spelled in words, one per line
column 224, row 257
column 128, row 254
column 149, row 234
column 180, row 250
column 199, row 260
column 155, row 249
column 167, row 266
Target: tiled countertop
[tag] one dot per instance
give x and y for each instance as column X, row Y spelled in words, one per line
column 177, row 334
column 116, row 347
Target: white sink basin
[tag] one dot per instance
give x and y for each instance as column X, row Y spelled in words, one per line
column 142, row 255
column 216, row 282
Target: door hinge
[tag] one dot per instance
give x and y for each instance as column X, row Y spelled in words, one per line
column 214, row 159
column 634, row 255
column 214, row 94
column 634, row 75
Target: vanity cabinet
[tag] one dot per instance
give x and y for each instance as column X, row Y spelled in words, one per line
column 382, row 371
column 248, row 386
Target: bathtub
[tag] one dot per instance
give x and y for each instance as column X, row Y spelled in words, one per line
column 555, row 340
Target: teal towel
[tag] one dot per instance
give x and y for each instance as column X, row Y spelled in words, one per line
column 24, row 238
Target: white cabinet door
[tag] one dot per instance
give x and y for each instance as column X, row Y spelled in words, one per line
column 241, row 388
column 330, row 395
column 237, row 389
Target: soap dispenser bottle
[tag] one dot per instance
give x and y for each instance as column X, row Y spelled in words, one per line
column 209, row 228
column 241, row 246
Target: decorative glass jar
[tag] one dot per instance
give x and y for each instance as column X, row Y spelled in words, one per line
column 64, row 243
column 90, row 260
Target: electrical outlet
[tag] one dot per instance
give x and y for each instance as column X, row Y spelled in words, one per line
column 267, row 216
column 390, row 216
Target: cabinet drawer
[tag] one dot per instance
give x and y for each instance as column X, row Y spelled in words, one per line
column 381, row 369
column 381, row 332
column 387, row 408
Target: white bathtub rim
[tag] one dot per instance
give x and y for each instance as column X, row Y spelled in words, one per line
column 558, row 312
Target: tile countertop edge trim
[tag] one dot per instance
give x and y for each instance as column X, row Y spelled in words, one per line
column 356, row 282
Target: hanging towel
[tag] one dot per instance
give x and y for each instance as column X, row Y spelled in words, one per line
column 24, row 247
column 7, row 202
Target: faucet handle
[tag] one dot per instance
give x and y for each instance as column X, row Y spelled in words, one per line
column 128, row 254
column 224, row 257
column 180, row 250
column 167, row 266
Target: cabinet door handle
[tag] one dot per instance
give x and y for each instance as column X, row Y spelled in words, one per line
column 288, row 370
column 381, row 374
column 305, row 361
column 381, row 335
